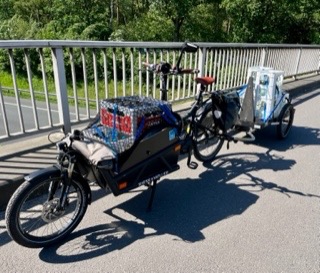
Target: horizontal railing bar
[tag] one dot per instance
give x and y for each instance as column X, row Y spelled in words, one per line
column 94, row 70
column 160, row 45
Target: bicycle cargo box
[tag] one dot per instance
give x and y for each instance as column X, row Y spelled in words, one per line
column 153, row 156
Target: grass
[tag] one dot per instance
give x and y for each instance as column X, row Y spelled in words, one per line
column 7, row 85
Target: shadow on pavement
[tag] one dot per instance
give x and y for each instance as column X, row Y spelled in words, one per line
column 182, row 208
column 301, row 98
column 299, row 136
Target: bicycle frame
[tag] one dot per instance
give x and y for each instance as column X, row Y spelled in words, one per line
column 153, row 156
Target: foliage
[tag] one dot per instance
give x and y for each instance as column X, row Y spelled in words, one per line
column 152, row 26
column 250, row 21
column 273, row 21
column 256, row 21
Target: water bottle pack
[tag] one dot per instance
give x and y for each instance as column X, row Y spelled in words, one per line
column 126, row 114
column 267, row 85
column 124, row 119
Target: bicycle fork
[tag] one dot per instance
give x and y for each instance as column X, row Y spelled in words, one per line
column 67, row 166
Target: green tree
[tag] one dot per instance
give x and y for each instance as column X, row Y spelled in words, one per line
column 176, row 20
column 16, row 28
column 259, row 21
column 206, row 23
column 304, row 28
column 34, row 10
column 149, row 27
column 177, row 11
column 6, row 9
column 272, row 21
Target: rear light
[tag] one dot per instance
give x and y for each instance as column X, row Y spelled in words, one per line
column 177, row 148
column 122, row 185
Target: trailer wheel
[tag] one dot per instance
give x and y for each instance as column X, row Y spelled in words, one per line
column 285, row 121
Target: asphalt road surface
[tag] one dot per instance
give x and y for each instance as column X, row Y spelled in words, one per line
column 28, row 115
column 256, row 208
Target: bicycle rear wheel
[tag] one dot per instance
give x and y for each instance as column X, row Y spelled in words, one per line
column 207, row 142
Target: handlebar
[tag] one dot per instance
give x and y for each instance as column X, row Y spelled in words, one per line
column 165, row 68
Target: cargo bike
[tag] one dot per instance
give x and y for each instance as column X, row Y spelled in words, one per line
column 133, row 141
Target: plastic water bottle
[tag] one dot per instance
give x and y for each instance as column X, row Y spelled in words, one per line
column 263, row 111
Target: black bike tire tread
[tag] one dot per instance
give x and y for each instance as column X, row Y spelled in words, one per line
column 279, row 126
column 212, row 156
column 13, row 207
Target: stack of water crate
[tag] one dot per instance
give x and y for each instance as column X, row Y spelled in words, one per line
column 124, row 119
column 267, row 93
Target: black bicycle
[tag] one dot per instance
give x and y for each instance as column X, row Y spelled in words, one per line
column 199, row 126
column 134, row 141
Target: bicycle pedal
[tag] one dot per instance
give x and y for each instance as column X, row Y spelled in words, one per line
column 193, row 165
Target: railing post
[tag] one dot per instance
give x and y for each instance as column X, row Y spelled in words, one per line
column 4, row 114
column 61, row 88
column 297, row 64
column 201, row 64
column 263, row 57
column 16, row 90
column 202, row 60
column 318, row 62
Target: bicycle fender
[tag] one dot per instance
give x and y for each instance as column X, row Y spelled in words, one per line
column 204, row 108
column 53, row 172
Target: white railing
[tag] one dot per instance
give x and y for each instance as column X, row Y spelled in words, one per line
column 55, row 83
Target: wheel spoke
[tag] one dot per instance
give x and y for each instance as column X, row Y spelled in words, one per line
column 207, row 141
column 35, row 221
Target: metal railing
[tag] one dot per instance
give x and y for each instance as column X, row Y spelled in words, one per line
column 60, row 83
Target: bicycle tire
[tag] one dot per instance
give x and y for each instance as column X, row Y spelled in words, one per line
column 285, row 121
column 31, row 220
column 207, row 142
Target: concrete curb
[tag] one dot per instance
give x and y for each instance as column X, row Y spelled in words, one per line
column 31, row 145
column 302, row 86
column 9, row 185
column 7, row 188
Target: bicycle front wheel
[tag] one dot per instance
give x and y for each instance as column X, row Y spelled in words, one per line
column 36, row 220
column 207, row 142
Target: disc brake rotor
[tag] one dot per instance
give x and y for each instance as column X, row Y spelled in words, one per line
column 51, row 211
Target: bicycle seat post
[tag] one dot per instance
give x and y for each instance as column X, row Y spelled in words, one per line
column 200, row 93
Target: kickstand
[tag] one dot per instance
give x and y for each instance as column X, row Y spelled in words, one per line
column 191, row 164
column 152, row 186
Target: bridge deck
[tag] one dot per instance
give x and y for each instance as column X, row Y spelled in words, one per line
column 24, row 156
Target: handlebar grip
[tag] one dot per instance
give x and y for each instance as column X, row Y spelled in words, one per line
column 149, row 66
column 145, row 64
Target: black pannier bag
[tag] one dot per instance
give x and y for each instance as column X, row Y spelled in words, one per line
column 229, row 105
